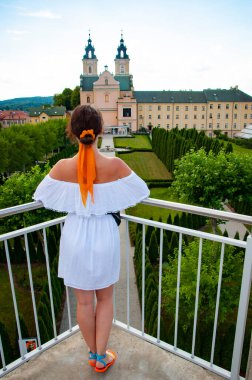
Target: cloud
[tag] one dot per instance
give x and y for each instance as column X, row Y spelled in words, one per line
column 41, row 14
column 15, row 32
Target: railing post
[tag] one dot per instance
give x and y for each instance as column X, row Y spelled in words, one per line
column 242, row 311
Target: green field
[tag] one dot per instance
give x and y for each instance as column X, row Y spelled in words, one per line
column 241, row 150
column 137, row 142
column 146, row 165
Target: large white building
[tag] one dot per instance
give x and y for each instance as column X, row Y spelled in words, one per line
column 212, row 109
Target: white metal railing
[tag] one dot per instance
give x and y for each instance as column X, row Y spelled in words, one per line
column 243, row 301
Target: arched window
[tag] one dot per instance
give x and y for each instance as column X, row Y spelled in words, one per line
column 89, row 69
column 89, row 54
column 88, row 99
column 106, row 82
column 122, row 54
column 106, row 98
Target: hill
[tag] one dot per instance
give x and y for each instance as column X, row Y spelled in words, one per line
column 25, row 103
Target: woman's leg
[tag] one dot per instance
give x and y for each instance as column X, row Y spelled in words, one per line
column 104, row 317
column 86, row 316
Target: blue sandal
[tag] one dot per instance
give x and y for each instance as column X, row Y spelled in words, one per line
column 99, row 358
column 92, row 356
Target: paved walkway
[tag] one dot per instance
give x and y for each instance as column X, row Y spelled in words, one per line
column 233, row 227
column 120, row 287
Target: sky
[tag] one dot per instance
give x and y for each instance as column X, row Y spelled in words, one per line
column 172, row 44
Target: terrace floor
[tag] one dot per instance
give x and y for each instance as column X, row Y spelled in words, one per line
column 137, row 360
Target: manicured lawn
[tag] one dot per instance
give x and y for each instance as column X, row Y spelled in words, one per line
column 241, row 150
column 146, row 165
column 137, row 142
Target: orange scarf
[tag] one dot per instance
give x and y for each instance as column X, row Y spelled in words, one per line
column 86, row 168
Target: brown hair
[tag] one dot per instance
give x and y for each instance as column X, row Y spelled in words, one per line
column 84, row 118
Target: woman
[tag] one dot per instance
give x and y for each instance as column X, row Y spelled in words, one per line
column 89, row 187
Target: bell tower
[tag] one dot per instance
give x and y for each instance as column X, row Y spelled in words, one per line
column 122, row 59
column 89, row 60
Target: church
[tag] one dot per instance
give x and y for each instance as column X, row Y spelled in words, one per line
column 228, row 111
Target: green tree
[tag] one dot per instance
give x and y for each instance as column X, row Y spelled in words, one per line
column 7, row 348
column 63, row 99
column 210, row 180
column 75, row 97
column 153, row 248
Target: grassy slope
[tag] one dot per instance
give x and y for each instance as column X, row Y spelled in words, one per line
column 137, row 142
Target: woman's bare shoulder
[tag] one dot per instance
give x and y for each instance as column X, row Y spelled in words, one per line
column 60, row 169
column 122, row 168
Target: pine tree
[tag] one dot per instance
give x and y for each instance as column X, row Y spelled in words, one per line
column 153, row 251
column 237, row 236
column 18, row 251
column 32, row 250
column 165, row 247
column 246, row 236
column 44, row 336
column 40, row 252
column 174, row 244
column 45, row 315
column 225, row 233
column 148, row 233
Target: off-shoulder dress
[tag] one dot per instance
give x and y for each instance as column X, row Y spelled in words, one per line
column 90, row 243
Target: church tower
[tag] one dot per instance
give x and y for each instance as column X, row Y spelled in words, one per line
column 122, row 59
column 89, row 60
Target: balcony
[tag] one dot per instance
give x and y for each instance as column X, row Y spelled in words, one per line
column 140, row 355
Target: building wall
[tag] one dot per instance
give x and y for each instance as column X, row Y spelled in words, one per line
column 229, row 117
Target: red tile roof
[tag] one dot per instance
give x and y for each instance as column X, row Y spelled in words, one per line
column 13, row 115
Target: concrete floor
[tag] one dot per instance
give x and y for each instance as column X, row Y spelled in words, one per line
column 136, row 360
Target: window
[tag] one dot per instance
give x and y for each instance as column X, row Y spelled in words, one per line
column 202, row 125
column 210, row 134
column 195, row 116
column 211, row 106
column 234, row 125
column 210, row 125
column 176, row 125
column 159, row 108
column 195, row 108
column 186, row 116
column 88, row 99
column 235, row 115
column 168, row 108
column 149, row 116
column 202, row 116
column 186, row 108
column 159, row 117
column 218, row 115
column 168, row 117
column 227, row 106
column 150, row 108
column 194, row 125
column 106, row 98
column 186, row 125
column 203, row 108
column 126, row 112
column 246, row 106
column 226, row 115
column 106, row 82
column 140, row 116
column 89, row 69
column 218, row 125
column 226, row 125
column 251, row 107
column 236, row 106
column 177, row 108
column 245, row 116
column 219, row 106
column 250, row 116
column 158, row 125
column 245, row 124
column 167, row 126
column 177, row 117
column 210, row 116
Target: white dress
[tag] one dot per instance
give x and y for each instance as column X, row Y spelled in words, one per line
column 90, row 242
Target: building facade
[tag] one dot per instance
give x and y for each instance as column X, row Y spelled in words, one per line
column 212, row 109
column 40, row 115
column 8, row 118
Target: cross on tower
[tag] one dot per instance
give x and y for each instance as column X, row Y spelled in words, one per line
column 121, row 32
